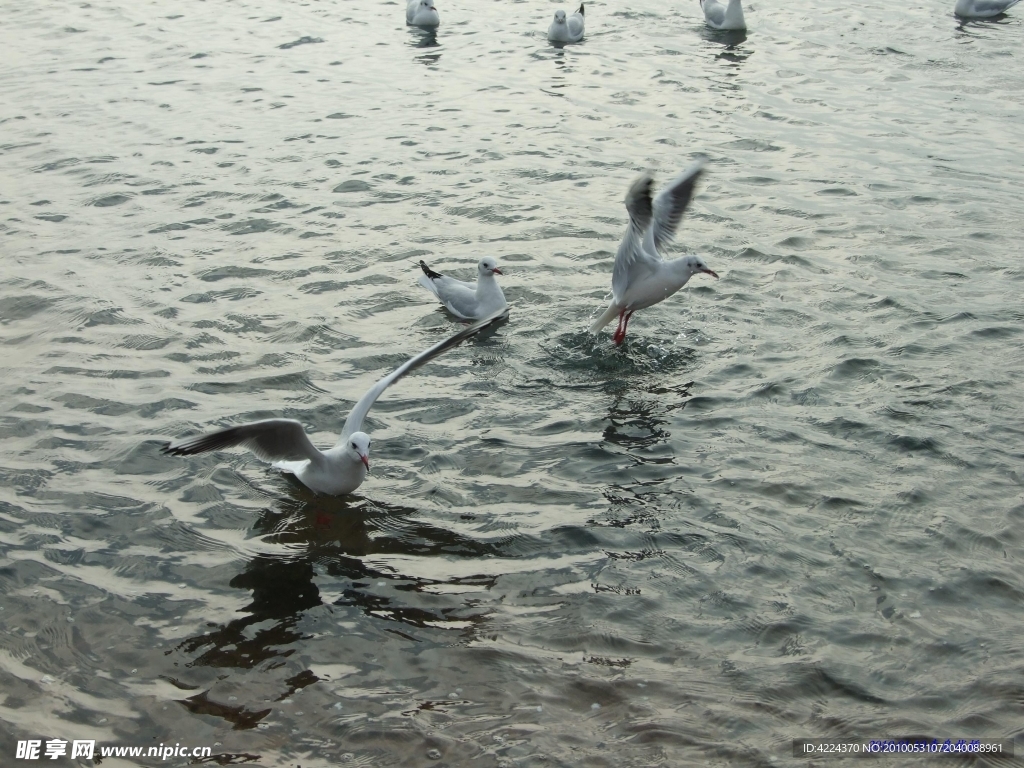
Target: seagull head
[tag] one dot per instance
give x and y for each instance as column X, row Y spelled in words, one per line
column 696, row 264
column 358, row 448
column 488, row 266
column 428, row 4
column 559, row 17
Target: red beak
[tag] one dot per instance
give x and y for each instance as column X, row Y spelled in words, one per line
column 497, row 271
column 366, row 461
column 711, row 272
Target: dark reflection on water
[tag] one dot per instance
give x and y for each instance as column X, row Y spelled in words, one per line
column 329, row 536
column 423, row 38
column 730, row 38
column 638, row 420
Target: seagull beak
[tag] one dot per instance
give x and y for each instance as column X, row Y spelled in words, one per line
column 711, row 272
column 366, row 460
column 497, row 271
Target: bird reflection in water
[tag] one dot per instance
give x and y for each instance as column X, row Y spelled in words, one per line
column 425, row 38
column 635, row 422
column 329, row 536
column 730, row 40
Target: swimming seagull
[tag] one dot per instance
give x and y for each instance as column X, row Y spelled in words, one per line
column 470, row 301
column 982, row 9
column 284, row 442
column 422, row 13
column 640, row 277
column 720, row 16
column 563, row 30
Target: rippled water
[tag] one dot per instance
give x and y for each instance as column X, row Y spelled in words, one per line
column 790, row 506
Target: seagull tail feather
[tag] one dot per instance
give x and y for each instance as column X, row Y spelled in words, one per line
column 427, row 283
column 609, row 314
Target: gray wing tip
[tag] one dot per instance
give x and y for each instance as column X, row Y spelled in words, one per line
column 686, row 180
column 638, row 200
column 697, row 167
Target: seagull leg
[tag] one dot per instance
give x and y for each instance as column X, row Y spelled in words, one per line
column 620, row 331
column 620, row 334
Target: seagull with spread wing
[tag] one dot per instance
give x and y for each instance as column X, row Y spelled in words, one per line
column 641, row 277
column 284, row 442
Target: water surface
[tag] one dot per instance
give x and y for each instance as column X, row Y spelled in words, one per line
column 787, row 507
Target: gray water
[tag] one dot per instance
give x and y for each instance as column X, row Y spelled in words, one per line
column 789, row 506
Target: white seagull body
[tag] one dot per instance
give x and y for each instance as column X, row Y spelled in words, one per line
column 982, row 9
column 284, row 442
column 723, row 16
column 469, row 301
column 422, row 13
column 567, row 30
column 640, row 277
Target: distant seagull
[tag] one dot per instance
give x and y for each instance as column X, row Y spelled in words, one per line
column 563, row 30
column 982, row 9
column 640, row 278
column 336, row 471
column 422, row 13
column 469, row 301
column 726, row 16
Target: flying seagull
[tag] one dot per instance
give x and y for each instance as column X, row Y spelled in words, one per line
column 284, row 442
column 640, row 277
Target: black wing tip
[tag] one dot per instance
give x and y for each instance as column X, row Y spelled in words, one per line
column 580, row 11
column 213, row 441
column 428, row 271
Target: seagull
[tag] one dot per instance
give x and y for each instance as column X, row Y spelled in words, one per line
column 422, row 13
column 468, row 301
column 725, row 16
column 640, row 277
column 284, row 442
column 982, row 9
column 563, row 30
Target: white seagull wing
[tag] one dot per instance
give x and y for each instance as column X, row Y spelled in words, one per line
column 630, row 260
column 575, row 24
column 270, row 439
column 458, row 296
column 354, row 422
column 993, row 7
column 669, row 206
column 714, row 12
